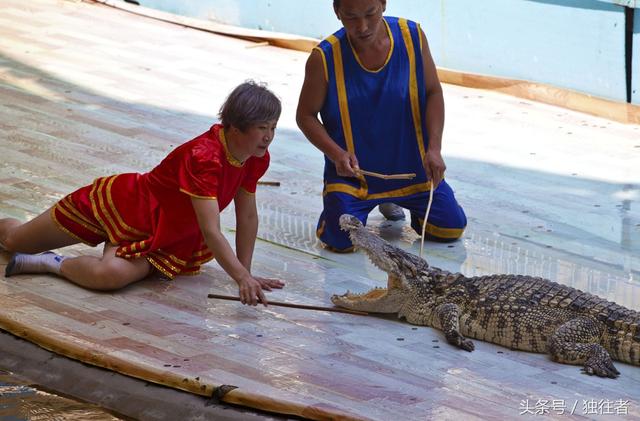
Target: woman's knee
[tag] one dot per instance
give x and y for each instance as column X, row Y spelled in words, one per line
column 7, row 243
column 12, row 242
column 8, row 238
column 111, row 275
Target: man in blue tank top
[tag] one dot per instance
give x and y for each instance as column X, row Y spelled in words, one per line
column 375, row 86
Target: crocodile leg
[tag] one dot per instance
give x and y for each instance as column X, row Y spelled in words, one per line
column 448, row 315
column 576, row 342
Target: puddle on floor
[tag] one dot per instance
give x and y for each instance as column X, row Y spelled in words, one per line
column 588, row 263
column 20, row 401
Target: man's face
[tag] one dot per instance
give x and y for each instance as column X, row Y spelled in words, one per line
column 361, row 19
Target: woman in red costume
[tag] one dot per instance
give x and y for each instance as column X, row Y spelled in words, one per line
column 167, row 219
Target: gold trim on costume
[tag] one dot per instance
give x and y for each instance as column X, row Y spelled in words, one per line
column 388, row 55
column 94, row 207
column 230, row 158
column 132, row 231
column 342, row 92
column 135, row 247
column 202, row 252
column 65, row 230
column 413, row 85
column 165, row 261
column 102, row 190
column 441, row 232
column 343, row 103
column 152, row 260
column 405, row 191
column 324, row 63
column 67, row 208
column 198, row 196
column 174, row 259
column 104, row 197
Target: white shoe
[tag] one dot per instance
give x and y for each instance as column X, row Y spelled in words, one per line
column 391, row 211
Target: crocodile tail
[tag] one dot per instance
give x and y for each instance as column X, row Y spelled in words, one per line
column 629, row 350
column 633, row 336
column 622, row 337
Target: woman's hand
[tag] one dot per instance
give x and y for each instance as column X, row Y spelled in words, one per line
column 268, row 283
column 250, row 289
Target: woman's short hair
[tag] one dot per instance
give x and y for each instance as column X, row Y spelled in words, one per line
column 250, row 103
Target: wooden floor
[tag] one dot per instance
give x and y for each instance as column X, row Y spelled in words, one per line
column 86, row 91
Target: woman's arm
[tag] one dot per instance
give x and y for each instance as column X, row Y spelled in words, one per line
column 208, row 214
column 246, row 226
column 246, row 233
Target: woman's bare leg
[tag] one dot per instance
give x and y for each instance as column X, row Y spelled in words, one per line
column 42, row 234
column 105, row 273
column 38, row 235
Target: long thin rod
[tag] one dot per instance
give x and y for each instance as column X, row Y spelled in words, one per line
column 302, row 306
column 407, row 176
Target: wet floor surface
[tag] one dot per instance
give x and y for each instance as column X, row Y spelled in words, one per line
column 582, row 232
column 22, row 401
column 547, row 192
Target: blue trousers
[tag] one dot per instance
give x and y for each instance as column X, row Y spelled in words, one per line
column 446, row 222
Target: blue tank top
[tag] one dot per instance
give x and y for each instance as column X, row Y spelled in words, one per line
column 377, row 115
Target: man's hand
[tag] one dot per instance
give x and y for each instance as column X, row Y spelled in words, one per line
column 346, row 164
column 434, row 166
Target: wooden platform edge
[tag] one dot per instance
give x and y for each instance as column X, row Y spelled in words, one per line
column 50, row 341
column 600, row 107
column 621, row 112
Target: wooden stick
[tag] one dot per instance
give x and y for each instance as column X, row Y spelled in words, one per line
column 269, row 183
column 408, row 176
column 302, row 306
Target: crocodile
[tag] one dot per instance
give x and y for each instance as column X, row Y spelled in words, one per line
column 516, row 311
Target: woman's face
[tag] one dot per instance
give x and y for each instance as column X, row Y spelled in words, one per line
column 258, row 137
column 361, row 19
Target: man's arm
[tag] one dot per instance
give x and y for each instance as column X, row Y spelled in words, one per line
column 434, row 116
column 312, row 96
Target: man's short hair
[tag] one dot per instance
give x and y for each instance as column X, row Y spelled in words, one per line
column 250, row 103
column 336, row 4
